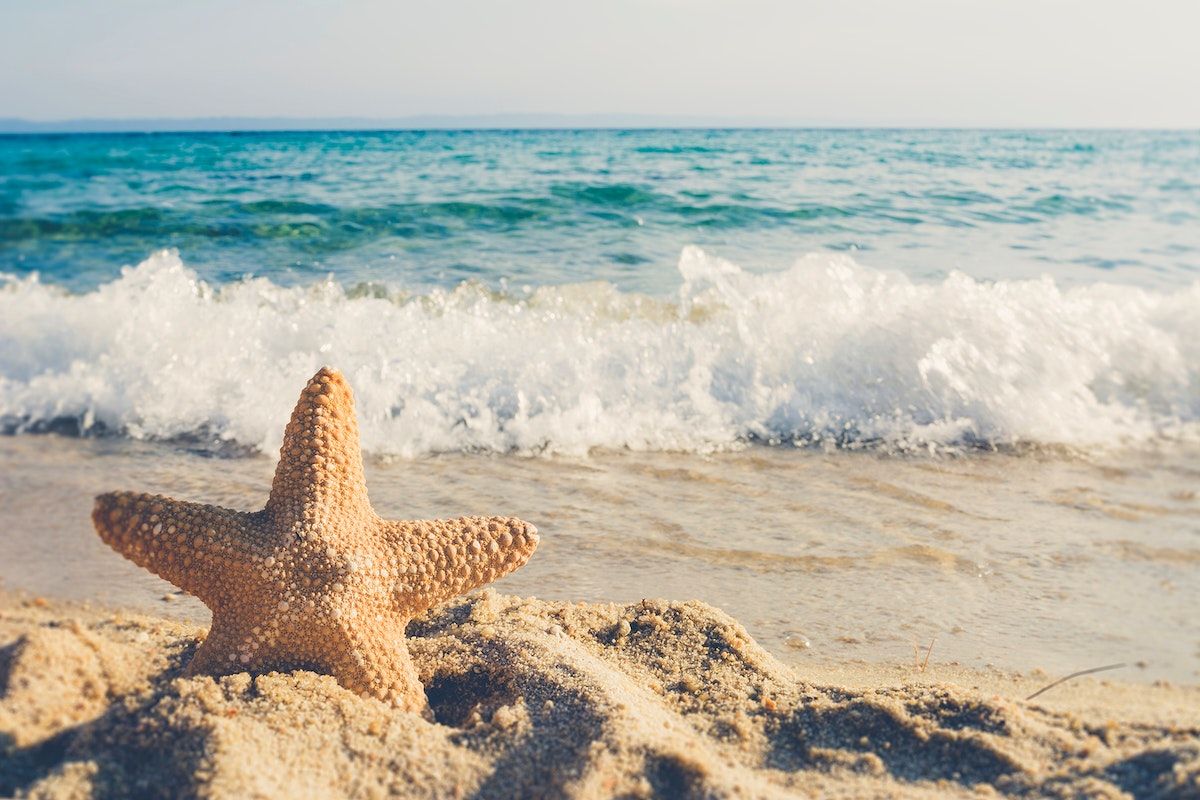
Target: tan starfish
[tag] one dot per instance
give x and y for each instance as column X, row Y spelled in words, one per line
column 315, row 580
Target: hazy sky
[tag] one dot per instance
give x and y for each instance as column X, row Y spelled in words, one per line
column 901, row 62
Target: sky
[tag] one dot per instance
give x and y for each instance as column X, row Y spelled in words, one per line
column 1093, row 63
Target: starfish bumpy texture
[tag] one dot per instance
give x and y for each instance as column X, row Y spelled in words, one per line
column 316, row 580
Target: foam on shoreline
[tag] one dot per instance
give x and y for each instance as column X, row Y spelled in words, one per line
column 827, row 352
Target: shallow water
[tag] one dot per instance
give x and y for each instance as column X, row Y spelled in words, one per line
column 1020, row 561
column 975, row 356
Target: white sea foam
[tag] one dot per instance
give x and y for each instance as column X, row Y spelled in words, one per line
column 827, row 351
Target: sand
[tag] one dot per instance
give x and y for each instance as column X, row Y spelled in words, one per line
column 545, row 699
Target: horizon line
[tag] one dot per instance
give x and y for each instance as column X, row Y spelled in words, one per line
column 482, row 122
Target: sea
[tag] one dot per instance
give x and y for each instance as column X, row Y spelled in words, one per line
column 881, row 395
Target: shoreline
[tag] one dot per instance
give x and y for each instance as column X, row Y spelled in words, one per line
column 1062, row 564
column 563, row 699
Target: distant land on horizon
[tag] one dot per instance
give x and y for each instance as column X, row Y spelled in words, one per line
column 414, row 122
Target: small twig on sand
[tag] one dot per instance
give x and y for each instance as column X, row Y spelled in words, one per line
column 1075, row 675
column 925, row 663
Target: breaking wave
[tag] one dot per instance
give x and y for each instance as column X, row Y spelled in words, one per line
column 827, row 353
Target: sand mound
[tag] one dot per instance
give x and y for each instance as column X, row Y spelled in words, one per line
column 534, row 698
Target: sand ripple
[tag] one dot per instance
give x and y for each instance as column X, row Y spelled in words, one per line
column 534, row 698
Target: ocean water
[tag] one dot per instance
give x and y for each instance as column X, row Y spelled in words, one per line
column 763, row 368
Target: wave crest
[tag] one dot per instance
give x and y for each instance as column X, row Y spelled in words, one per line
column 828, row 351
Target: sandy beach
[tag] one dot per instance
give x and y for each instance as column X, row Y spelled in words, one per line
column 548, row 699
column 599, row 401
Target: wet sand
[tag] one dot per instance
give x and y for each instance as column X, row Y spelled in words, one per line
column 1016, row 561
column 542, row 698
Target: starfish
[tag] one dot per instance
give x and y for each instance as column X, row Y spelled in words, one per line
column 316, row 580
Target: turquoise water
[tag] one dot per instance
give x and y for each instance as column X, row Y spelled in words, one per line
column 562, row 291
column 423, row 209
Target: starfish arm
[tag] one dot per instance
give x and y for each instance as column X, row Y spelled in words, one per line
column 205, row 550
column 370, row 659
column 260, row 639
column 219, row 653
column 320, row 464
column 374, row 660
column 440, row 559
